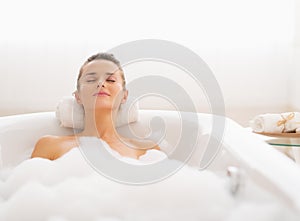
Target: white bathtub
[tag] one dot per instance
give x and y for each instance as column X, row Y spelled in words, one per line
column 254, row 170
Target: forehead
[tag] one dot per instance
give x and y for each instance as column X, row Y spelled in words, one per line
column 99, row 67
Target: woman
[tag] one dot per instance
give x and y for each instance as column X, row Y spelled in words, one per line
column 101, row 89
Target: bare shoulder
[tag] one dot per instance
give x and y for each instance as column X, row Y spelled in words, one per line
column 147, row 144
column 52, row 147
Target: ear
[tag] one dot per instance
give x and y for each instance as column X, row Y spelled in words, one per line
column 77, row 97
column 124, row 99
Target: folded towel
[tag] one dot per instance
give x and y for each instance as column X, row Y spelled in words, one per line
column 71, row 114
column 276, row 123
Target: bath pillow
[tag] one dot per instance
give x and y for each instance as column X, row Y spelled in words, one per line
column 71, row 114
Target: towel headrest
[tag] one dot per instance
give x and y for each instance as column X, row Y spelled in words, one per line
column 71, row 114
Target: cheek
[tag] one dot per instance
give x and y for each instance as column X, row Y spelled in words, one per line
column 85, row 92
column 118, row 92
column 85, row 88
column 116, row 88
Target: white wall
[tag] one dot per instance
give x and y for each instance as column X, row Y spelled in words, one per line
column 247, row 43
column 295, row 79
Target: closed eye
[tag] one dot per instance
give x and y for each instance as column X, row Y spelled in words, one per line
column 90, row 80
column 111, row 80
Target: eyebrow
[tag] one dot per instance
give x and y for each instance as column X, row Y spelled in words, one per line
column 108, row 73
column 94, row 73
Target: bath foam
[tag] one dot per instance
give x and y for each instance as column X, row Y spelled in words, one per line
column 69, row 189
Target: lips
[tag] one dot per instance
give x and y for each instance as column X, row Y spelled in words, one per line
column 101, row 93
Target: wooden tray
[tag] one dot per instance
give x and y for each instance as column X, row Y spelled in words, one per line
column 289, row 135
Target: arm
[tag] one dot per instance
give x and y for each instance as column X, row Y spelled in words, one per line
column 156, row 147
column 152, row 145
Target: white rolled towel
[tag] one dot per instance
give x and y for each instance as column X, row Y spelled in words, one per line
column 276, row 123
column 71, row 114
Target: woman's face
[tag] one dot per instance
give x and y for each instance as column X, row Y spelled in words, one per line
column 101, row 86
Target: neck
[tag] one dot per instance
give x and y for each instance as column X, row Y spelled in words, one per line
column 100, row 123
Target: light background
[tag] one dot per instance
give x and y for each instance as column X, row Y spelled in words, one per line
column 252, row 47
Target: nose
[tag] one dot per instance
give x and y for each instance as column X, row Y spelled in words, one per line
column 100, row 83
